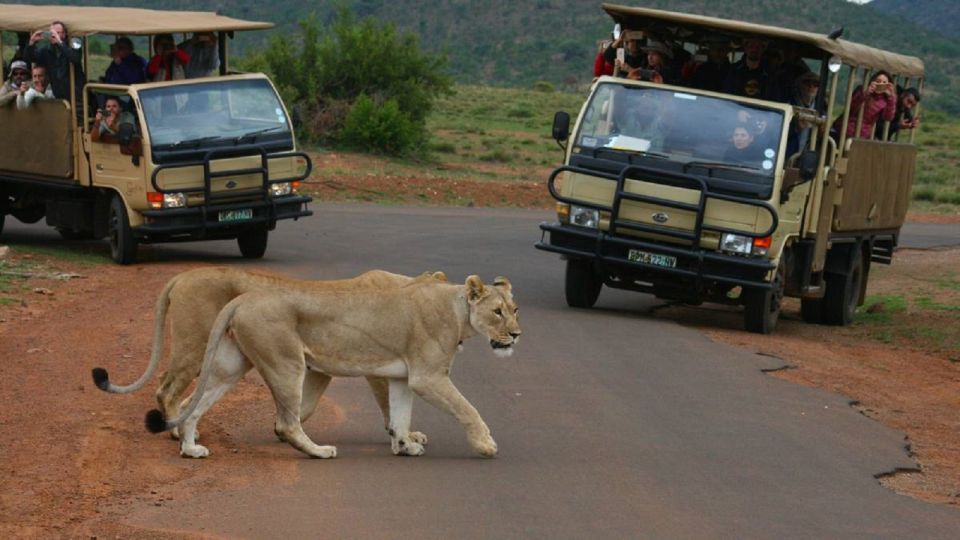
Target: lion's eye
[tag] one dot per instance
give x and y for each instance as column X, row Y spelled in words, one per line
column 498, row 312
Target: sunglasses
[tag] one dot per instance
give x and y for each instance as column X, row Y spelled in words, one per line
column 19, row 72
column 811, row 83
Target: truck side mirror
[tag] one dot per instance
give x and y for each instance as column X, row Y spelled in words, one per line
column 808, row 165
column 561, row 126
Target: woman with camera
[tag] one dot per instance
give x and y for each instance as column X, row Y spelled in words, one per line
column 878, row 101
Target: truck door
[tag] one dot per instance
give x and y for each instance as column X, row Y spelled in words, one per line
column 115, row 162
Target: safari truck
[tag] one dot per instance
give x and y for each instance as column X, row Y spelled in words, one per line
column 653, row 196
column 205, row 158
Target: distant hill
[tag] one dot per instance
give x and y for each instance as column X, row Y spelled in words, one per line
column 514, row 43
column 939, row 15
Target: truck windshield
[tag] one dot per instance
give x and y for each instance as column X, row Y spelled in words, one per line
column 183, row 120
column 734, row 146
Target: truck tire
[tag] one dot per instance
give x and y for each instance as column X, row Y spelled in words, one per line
column 761, row 307
column 843, row 294
column 582, row 283
column 253, row 243
column 123, row 246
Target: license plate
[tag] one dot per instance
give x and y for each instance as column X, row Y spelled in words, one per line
column 235, row 215
column 656, row 259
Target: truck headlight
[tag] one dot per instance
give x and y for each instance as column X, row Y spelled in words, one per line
column 174, row 200
column 584, row 217
column 278, row 190
column 735, row 243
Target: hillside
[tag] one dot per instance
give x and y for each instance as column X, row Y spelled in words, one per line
column 939, row 15
column 502, row 42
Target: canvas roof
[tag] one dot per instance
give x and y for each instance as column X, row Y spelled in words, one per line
column 116, row 20
column 850, row 52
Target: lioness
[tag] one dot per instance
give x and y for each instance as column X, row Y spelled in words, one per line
column 193, row 299
column 409, row 335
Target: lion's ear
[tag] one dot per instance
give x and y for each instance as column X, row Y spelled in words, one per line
column 503, row 283
column 440, row 276
column 475, row 288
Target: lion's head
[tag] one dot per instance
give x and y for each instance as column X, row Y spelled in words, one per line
column 493, row 313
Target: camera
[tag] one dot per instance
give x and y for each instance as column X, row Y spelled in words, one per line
column 46, row 34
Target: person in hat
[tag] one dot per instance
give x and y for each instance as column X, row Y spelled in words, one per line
column 659, row 68
column 19, row 70
column 127, row 67
column 204, row 56
column 904, row 118
column 805, row 92
column 749, row 76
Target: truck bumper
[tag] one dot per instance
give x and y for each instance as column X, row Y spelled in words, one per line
column 696, row 270
column 204, row 222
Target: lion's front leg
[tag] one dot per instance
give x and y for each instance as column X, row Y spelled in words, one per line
column 401, row 409
column 439, row 391
column 381, row 392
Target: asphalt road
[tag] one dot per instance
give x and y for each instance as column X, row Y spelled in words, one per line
column 610, row 423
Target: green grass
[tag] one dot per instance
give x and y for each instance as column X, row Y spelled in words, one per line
column 937, row 183
column 72, row 254
column 880, row 309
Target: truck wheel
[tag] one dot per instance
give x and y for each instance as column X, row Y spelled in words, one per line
column 843, row 294
column 253, row 243
column 811, row 310
column 761, row 307
column 582, row 283
column 123, row 246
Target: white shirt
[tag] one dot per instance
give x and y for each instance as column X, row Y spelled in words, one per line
column 24, row 100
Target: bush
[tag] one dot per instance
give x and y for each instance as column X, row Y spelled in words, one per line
column 330, row 68
column 380, row 128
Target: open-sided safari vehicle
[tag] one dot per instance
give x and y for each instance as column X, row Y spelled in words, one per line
column 204, row 158
column 653, row 197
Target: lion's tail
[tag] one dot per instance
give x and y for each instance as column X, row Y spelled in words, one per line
column 100, row 376
column 155, row 421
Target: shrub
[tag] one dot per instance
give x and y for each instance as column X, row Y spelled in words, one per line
column 380, row 128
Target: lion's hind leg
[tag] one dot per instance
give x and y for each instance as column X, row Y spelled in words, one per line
column 228, row 367
column 285, row 379
column 401, row 409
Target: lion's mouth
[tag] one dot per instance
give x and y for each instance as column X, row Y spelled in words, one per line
column 501, row 349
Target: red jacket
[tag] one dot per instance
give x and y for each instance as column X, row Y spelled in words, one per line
column 883, row 105
column 601, row 66
column 156, row 64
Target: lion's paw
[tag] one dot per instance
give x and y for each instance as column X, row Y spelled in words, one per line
column 195, row 451
column 324, row 452
column 418, row 437
column 407, row 447
column 486, row 447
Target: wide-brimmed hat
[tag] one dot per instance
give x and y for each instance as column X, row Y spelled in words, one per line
column 808, row 76
column 19, row 64
column 658, row 46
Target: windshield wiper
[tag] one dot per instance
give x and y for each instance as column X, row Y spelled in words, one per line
column 190, row 142
column 253, row 134
column 710, row 165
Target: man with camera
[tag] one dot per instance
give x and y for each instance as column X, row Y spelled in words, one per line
column 58, row 58
column 106, row 125
column 204, row 56
column 37, row 88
